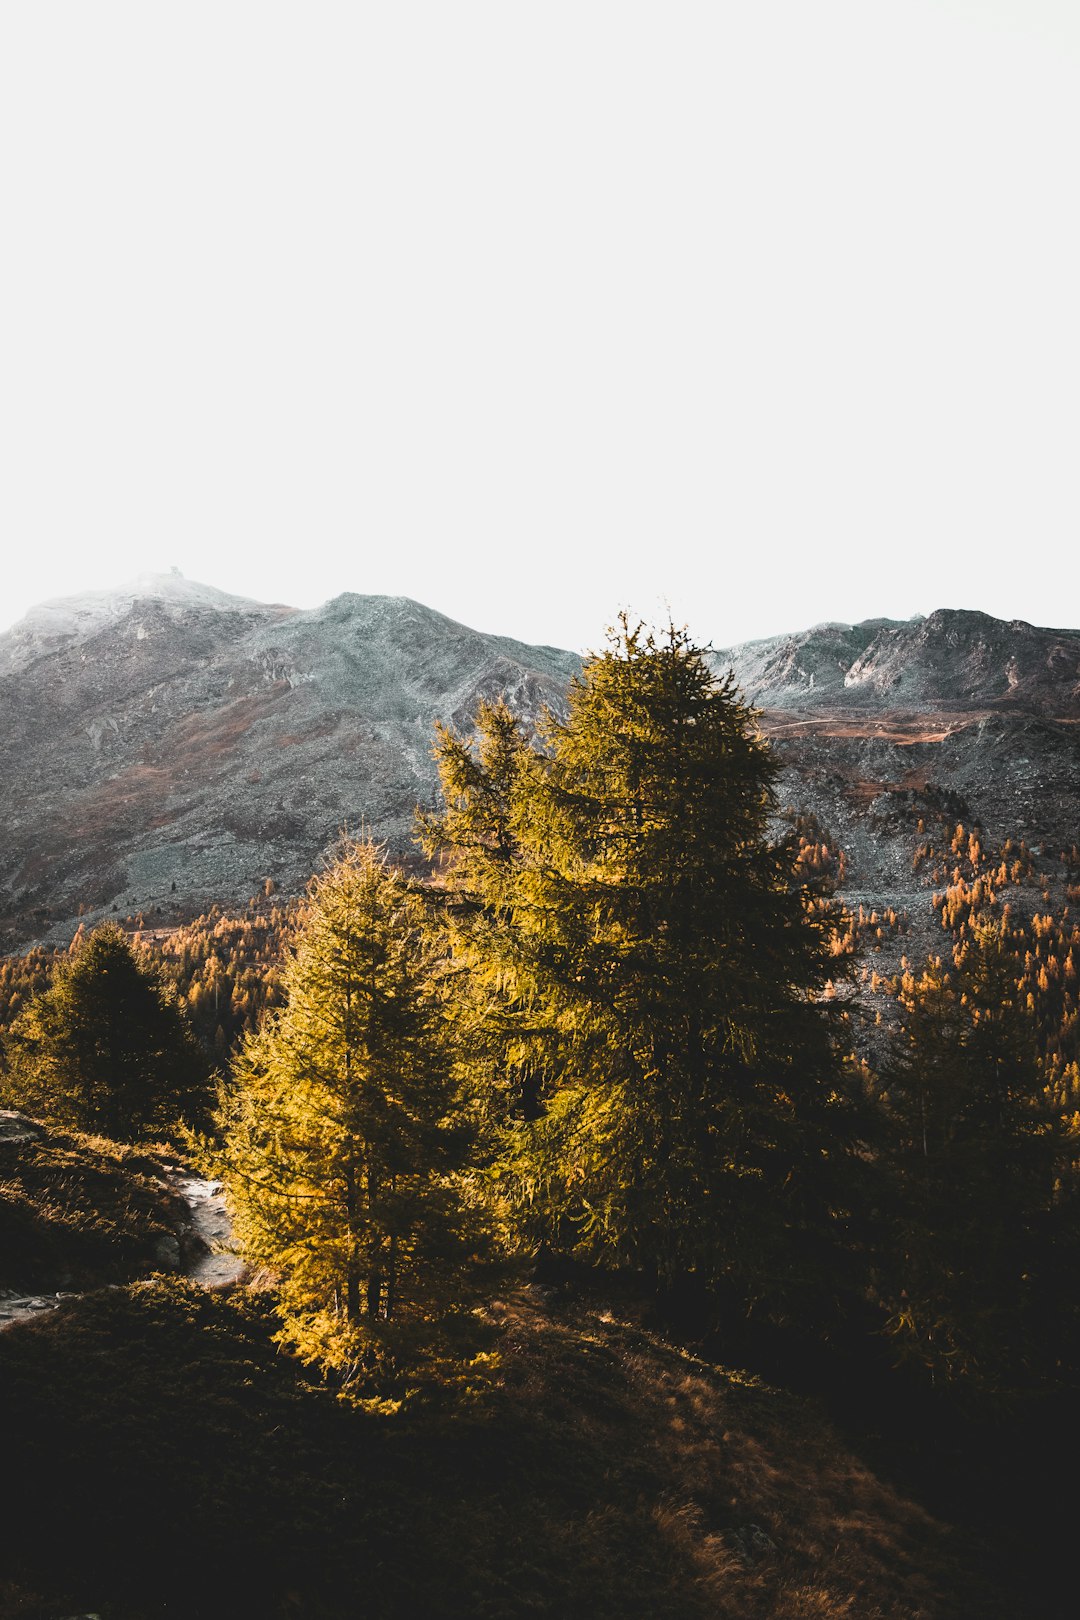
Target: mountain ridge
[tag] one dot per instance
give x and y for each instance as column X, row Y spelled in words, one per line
column 178, row 746
column 953, row 656
column 212, row 745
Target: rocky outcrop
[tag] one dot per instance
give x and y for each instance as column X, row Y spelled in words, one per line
column 16, row 1128
column 954, row 659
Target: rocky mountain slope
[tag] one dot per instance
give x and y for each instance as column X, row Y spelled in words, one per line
column 895, row 733
column 949, row 662
column 169, row 745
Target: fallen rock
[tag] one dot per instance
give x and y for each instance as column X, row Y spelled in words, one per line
column 16, row 1127
column 751, row 1543
column 167, row 1254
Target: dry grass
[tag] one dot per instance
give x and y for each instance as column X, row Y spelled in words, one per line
column 171, row 1460
column 748, row 1493
column 78, row 1211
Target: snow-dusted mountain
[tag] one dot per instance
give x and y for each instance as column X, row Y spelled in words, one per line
column 168, row 734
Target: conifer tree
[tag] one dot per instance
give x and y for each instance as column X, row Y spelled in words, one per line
column 106, row 1047
column 346, row 1136
column 643, row 966
column 973, row 1148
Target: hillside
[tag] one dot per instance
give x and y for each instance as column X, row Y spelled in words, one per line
column 81, row 1212
column 605, row 1472
column 705, row 1183
column 596, row 1469
column 953, row 660
column 892, row 734
column 178, row 746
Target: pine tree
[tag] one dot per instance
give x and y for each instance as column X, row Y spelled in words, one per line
column 972, row 1147
column 346, row 1135
column 643, row 965
column 106, row 1047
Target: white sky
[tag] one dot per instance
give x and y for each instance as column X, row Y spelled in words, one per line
column 763, row 310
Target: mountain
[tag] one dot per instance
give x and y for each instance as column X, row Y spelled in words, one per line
column 949, row 661
column 175, row 745
column 892, row 733
column 169, row 734
column 75, row 621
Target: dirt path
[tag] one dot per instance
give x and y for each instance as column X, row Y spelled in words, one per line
column 212, row 1260
column 220, row 1266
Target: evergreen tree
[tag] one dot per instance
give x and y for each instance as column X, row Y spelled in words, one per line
column 106, row 1047
column 346, row 1136
column 973, row 1149
column 644, row 966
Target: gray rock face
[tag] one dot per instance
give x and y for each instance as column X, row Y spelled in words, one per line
column 810, row 666
column 958, row 717
column 957, row 713
column 950, row 660
column 171, row 735
column 16, row 1128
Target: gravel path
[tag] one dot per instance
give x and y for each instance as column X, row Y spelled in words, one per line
column 215, row 1264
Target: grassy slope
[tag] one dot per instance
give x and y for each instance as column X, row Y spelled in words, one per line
column 170, row 1460
column 78, row 1211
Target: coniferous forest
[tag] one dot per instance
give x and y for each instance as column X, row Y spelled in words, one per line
column 616, row 1240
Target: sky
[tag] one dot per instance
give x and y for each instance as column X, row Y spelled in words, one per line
column 755, row 314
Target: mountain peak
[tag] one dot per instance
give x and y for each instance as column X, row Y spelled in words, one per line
column 64, row 621
column 147, row 586
column 952, row 657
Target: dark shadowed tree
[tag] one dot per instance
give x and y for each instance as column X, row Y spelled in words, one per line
column 983, row 1216
column 106, row 1048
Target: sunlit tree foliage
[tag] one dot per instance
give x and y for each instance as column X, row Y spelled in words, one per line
column 346, row 1136
column 643, row 969
column 106, row 1047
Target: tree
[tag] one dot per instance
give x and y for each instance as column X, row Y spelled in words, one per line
column 346, row 1136
column 973, row 1148
column 645, row 968
column 106, row 1048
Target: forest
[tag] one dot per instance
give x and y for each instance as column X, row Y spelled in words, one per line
column 609, row 1076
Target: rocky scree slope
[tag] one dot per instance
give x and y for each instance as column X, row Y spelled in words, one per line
column 955, row 718
column 169, row 745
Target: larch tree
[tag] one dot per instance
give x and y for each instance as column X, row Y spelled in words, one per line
column 974, row 1153
column 106, row 1048
column 346, row 1136
column 644, row 970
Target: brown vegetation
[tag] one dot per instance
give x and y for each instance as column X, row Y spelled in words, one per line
column 606, row 1473
column 77, row 1212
